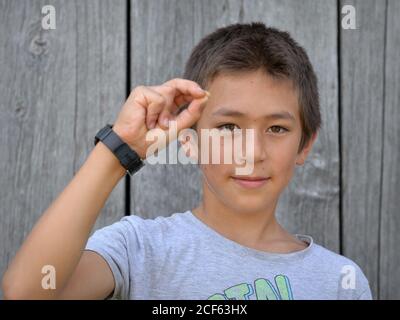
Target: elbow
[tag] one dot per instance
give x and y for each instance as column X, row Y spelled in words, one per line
column 12, row 290
column 9, row 292
column 8, row 295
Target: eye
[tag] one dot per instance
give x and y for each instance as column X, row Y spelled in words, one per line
column 227, row 126
column 277, row 129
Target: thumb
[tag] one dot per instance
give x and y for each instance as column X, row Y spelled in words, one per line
column 192, row 113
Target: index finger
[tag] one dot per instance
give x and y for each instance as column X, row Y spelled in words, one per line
column 186, row 87
column 191, row 114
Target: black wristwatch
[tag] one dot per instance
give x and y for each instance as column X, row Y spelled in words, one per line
column 128, row 158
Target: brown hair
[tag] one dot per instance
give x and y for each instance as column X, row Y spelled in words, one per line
column 249, row 47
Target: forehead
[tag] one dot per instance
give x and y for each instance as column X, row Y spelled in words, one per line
column 255, row 94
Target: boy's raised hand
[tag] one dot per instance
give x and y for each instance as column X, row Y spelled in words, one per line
column 150, row 107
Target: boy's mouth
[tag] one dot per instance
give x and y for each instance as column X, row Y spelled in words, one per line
column 250, row 182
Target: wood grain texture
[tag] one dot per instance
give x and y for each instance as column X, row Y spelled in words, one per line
column 161, row 37
column 57, row 88
column 362, row 96
column 389, row 279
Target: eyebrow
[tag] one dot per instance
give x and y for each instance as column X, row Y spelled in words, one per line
column 273, row 116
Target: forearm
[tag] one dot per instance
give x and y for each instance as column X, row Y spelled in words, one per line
column 60, row 235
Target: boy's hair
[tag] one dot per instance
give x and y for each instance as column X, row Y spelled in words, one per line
column 249, row 47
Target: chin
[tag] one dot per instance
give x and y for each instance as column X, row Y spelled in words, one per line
column 248, row 204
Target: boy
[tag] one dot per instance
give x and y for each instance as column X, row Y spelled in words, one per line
column 230, row 246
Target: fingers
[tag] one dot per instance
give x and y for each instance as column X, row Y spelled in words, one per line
column 177, row 92
column 169, row 113
column 162, row 102
column 170, row 106
column 183, row 99
column 185, row 87
column 191, row 114
column 153, row 101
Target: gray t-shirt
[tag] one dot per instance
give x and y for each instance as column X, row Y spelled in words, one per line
column 180, row 257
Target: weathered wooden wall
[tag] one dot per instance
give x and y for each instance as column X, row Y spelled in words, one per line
column 370, row 146
column 58, row 87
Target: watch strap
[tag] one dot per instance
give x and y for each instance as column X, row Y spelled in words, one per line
column 128, row 158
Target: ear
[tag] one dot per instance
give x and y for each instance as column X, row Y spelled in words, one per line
column 302, row 156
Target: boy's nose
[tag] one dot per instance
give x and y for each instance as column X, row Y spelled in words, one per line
column 255, row 148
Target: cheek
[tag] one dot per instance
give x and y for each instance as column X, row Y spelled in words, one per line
column 216, row 173
column 217, row 150
column 216, row 178
column 283, row 159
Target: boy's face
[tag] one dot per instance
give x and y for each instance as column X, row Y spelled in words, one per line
column 276, row 140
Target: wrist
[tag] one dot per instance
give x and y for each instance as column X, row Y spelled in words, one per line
column 125, row 136
column 105, row 161
column 127, row 157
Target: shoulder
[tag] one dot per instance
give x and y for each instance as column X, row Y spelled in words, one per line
column 351, row 280
column 136, row 231
column 157, row 229
column 331, row 258
column 138, row 236
column 161, row 223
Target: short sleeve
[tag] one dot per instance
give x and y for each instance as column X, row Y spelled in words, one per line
column 364, row 286
column 111, row 243
column 366, row 295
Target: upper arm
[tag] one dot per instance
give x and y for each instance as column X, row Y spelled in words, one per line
column 91, row 279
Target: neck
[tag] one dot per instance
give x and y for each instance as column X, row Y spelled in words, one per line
column 256, row 229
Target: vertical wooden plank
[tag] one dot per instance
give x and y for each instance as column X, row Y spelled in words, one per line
column 362, row 66
column 311, row 203
column 389, row 279
column 57, row 88
column 101, row 36
column 161, row 38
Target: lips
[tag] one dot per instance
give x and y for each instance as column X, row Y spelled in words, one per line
column 250, row 182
